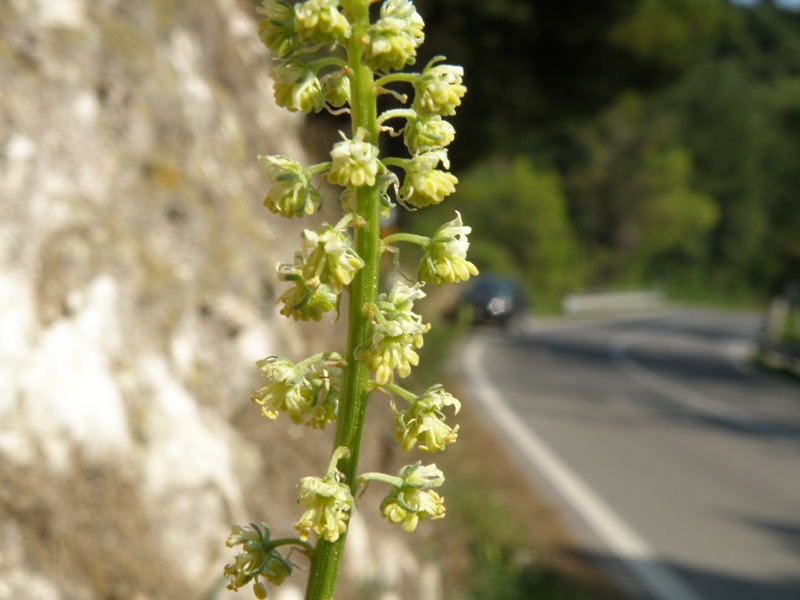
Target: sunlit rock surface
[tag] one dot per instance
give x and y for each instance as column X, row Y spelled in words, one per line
column 136, row 263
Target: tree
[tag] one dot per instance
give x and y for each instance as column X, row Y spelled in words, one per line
column 518, row 215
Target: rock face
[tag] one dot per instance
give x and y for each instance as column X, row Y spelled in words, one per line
column 136, row 291
column 136, row 279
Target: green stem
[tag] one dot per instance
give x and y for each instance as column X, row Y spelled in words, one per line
column 307, row 548
column 420, row 240
column 363, row 290
column 403, row 393
column 396, row 113
column 381, row 477
column 318, row 168
column 395, row 77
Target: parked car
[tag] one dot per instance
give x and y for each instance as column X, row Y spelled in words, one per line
column 493, row 299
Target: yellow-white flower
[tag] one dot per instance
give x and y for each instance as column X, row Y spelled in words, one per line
column 320, row 21
column 285, row 390
column 397, row 333
column 355, row 163
column 424, row 422
column 308, row 390
column 292, row 194
column 276, row 29
column 424, row 184
column 259, row 558
column 331, row 258
column 413, row 500
column 394, row 37
column 439, row 89
column 427, row 133
column 297, row 87
column 328, row 504
column 445, row 259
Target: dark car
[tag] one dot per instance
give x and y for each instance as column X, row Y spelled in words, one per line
column 493, row 299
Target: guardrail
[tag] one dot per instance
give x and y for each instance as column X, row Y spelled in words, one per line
column 780, row 356
column 774, row 350
column 611, row 301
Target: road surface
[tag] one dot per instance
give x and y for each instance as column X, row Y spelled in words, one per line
column 679, row 462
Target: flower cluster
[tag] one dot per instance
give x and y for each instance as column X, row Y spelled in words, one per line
column 325, row 266
column 328, row 503
column 293, row 32
column 424, row 422
column 397, row 332
column 307, row 391
column 259, row 558
column 445, row 259
column 412, row 499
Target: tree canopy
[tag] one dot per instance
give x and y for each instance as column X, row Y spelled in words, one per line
column 668, row 131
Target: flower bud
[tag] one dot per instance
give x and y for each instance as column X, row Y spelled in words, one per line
column 337, row 88
column 305, row 303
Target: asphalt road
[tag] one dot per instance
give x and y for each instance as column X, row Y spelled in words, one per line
column 678, row 463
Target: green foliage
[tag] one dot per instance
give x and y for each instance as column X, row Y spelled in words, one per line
column 518, row 214
column 531, row 65
column 672, row 33
column 505, row 565
column 671, row 220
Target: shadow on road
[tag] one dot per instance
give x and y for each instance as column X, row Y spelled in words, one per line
column 707, row 584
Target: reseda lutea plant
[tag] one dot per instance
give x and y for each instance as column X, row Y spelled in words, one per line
column 330, row 55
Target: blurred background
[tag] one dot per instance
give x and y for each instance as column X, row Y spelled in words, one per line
column 617, row 145
column 628, row 143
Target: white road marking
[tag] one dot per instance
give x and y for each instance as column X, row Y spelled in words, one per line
column 620, row 538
